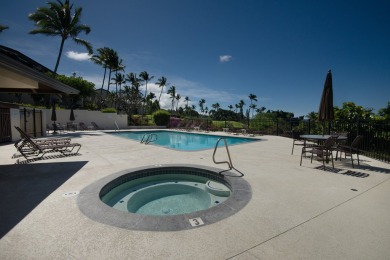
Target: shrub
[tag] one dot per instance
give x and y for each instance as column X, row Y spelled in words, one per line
column 108, row 110
column 161, row 117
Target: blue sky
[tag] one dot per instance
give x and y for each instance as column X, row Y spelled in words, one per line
column 224, row 50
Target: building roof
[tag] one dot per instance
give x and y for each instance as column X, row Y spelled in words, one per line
column 19, row 73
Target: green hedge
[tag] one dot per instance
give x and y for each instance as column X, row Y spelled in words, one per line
column 161, row 117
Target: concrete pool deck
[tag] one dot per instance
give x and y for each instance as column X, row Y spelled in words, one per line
column 296, row 212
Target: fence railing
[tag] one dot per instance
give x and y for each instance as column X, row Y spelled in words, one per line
column 376, row 133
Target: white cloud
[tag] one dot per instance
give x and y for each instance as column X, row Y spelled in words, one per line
column 78, row 56
column 225, row 58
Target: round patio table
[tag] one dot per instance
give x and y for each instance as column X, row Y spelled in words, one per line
column 321, row 137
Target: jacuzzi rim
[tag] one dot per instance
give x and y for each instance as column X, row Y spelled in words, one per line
column 90, row 204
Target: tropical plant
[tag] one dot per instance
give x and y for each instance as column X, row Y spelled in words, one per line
column 385, row 112
column 161, row 82
column 102, row 60
column 241, row 105
column 3, row 27
column 145, row 78
column 201, row 105
column 58, row 20
column 119, row 79
column 252, row 97
column 172, row 93
column 86, row 88
column 178, row 97
column 253, row 107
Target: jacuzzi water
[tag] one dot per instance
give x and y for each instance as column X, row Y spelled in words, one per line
column 167, row 194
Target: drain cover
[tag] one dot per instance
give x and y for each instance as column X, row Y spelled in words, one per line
column 70, row 194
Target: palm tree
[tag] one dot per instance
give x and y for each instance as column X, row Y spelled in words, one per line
column 260, row 110
column 132, row 78
column 146, row 78
column 241, row 105
column 102, row 60
column 230, row 107
column 149, row 99
column 187, row 99
column 119, row 79
column 57, row 19
column 253, row 107
column 161, row 82
column 252, row 97
column 216, row 106
column 201, row 104
column 178, row 97
column 3, row 27
column 172, row 92
column 114, row 64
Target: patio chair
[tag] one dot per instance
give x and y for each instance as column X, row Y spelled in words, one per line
column 323, row 151
column 70, row 126
column 95, row 126
column 57, row 128
column 350, row 150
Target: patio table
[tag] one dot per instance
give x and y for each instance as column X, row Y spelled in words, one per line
column 321, row 137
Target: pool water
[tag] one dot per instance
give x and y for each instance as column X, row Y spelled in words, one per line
column 167, row 195
column 184, row 141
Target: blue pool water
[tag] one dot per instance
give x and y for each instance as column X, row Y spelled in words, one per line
column 184, row 141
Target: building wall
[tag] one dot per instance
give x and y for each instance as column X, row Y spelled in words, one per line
column 103, row 120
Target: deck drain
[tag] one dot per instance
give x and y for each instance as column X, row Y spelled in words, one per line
column 354, row 189
column 70, row 194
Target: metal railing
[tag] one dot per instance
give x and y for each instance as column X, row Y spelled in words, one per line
column 148, row 138
column 229, row 163
column 376, row 133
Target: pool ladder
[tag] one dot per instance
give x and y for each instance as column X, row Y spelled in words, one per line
column 148, row 138
column 229, row 163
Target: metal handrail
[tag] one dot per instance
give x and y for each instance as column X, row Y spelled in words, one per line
column 229, row 163
column 150, row 138
column 143, row 140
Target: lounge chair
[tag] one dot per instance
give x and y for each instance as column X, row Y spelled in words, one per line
column 24, row 136
column 95, row 126
column 37, row 148
column 323, row 151
column 185, row 125
column 350, row 150
column 198, row 126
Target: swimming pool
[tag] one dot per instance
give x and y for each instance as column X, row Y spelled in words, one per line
column 184, row 141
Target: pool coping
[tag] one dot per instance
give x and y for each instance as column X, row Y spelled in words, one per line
column 91, row 206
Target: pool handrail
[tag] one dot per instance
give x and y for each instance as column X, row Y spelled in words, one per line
column 229, row 163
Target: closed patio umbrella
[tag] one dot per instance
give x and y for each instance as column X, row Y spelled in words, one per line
column 71, row 117
column 54, row 117
column 325, row 111
column 53, row 113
